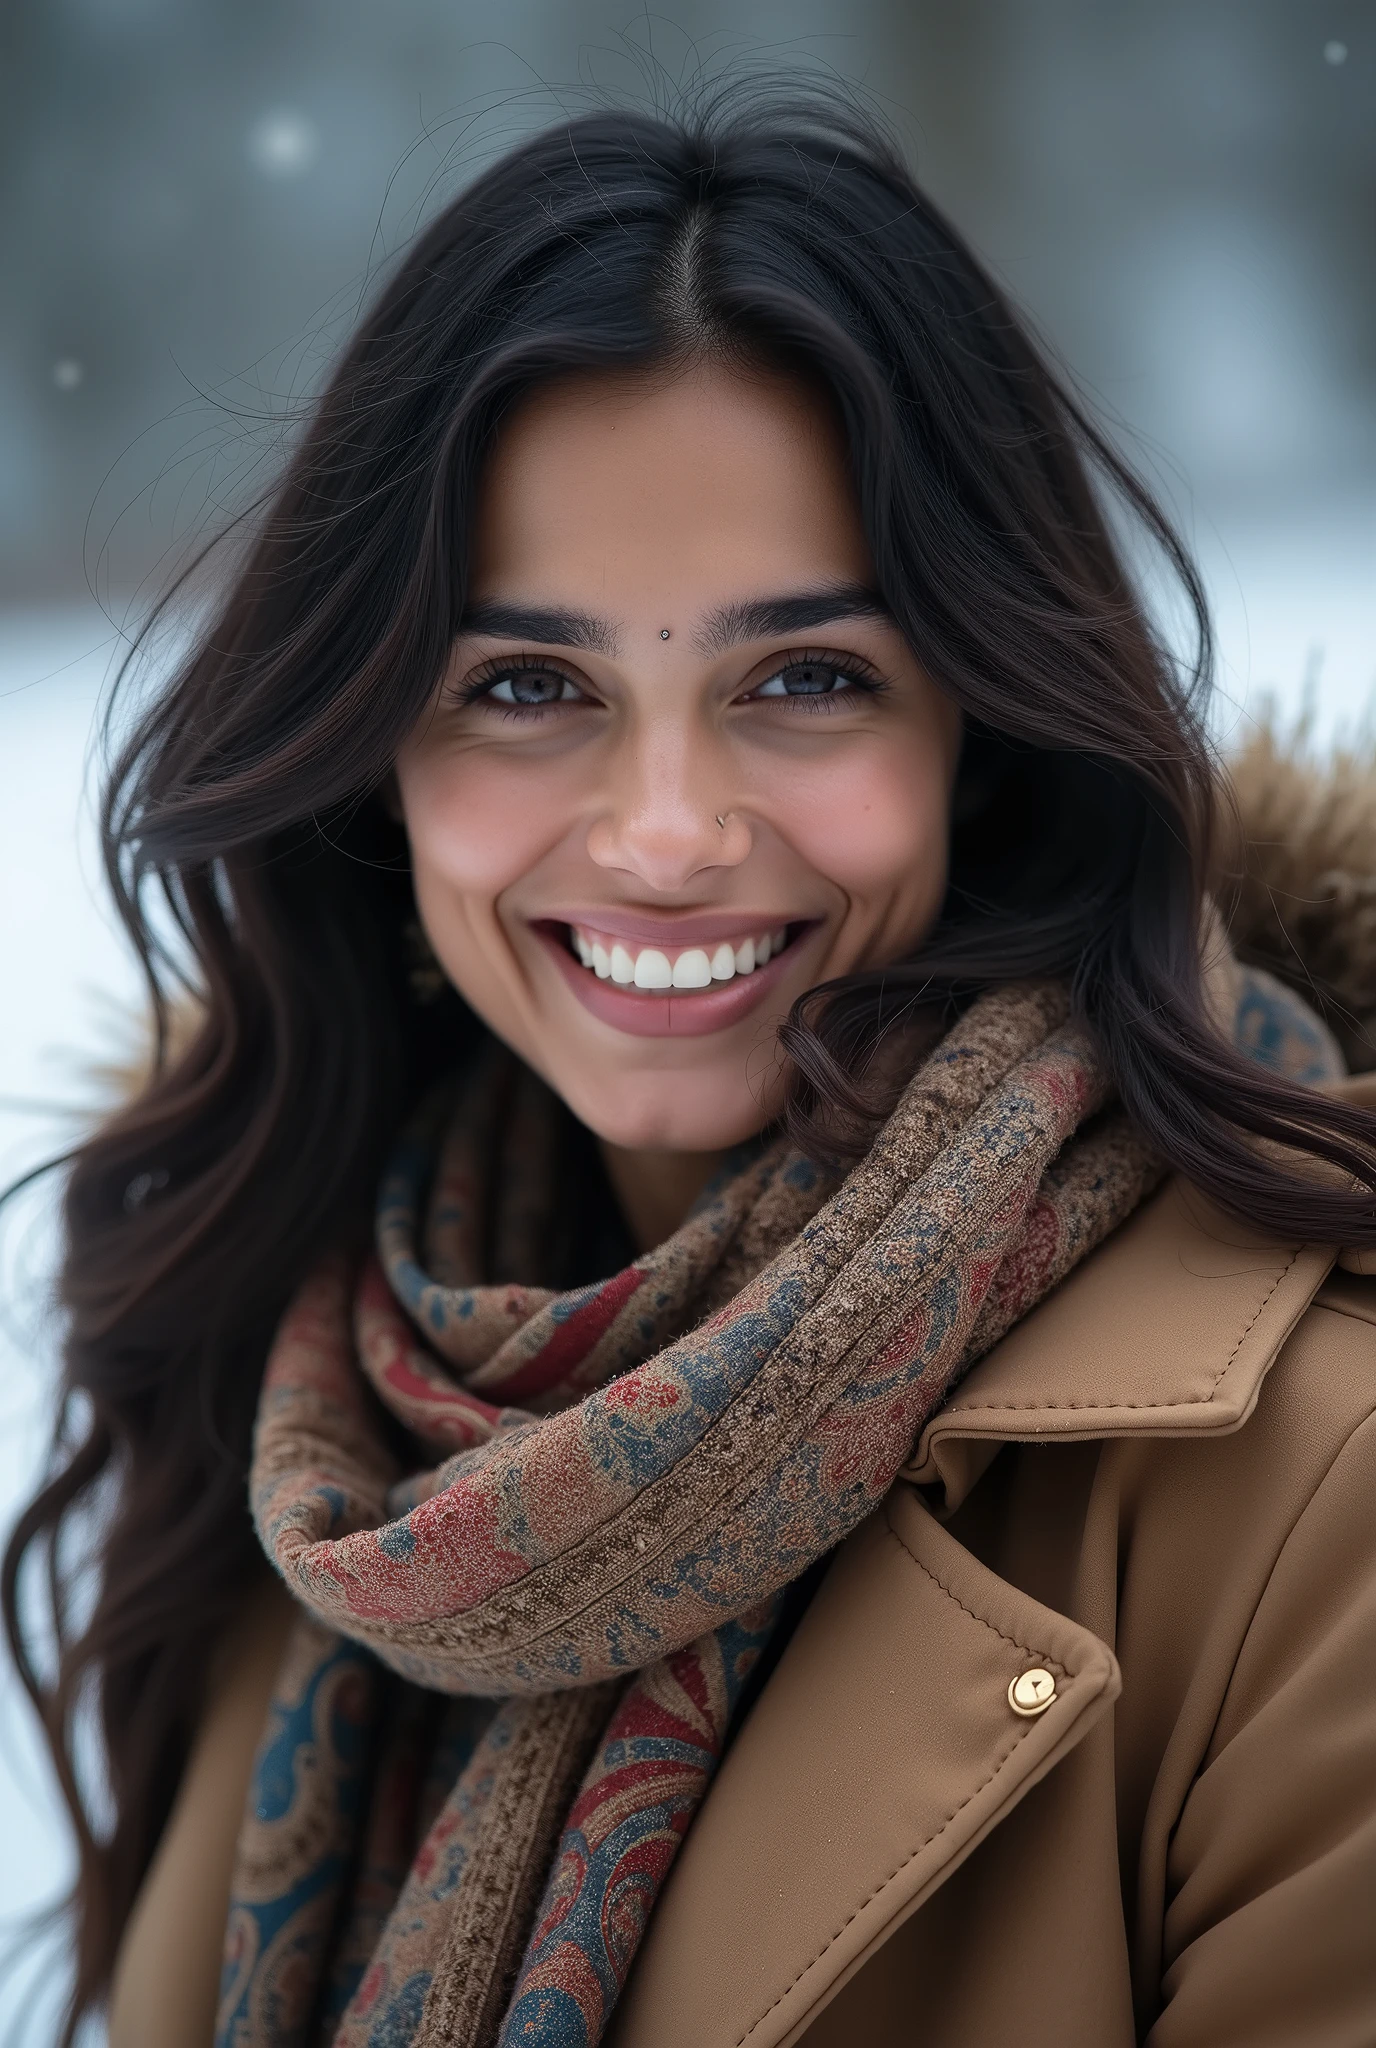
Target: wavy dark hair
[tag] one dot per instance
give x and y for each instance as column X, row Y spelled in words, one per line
column 783, row 234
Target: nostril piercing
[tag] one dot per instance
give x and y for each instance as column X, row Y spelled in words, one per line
column 664, row 632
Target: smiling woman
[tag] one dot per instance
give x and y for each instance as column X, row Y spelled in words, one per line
column 561, row 793
column 649, row 1492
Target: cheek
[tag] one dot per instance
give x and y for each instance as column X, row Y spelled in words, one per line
column 877, row 826
column 471, row 834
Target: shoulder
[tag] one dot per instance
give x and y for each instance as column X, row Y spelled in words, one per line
column 1332, row 1352
column 1316, row 1405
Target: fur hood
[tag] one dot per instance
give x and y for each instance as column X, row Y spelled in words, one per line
column 1299, row 893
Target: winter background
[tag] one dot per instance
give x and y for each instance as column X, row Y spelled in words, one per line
column 196, row 193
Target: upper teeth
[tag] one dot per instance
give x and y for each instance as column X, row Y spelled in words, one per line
column 695, row 967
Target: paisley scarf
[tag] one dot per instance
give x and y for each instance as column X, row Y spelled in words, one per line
column 540, row 1539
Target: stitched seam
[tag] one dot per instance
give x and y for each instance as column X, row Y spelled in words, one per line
column 1020, row 1735
column 1107, row 1407
column 936, row 1834
column 927, row 1572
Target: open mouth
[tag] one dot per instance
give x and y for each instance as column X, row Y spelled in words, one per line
column 657, row 989
column 683, row 969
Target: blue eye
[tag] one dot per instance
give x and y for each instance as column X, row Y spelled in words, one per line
column 806, row 679
column 531, row 687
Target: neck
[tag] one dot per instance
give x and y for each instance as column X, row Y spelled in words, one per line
column 656, row 1190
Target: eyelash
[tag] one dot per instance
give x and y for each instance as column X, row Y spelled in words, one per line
column 866, row 680
column 479, row 684
column 858, row 673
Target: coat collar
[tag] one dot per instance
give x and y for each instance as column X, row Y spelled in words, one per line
column 1168, row 1329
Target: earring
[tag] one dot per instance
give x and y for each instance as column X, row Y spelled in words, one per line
column 426, row 977
column 722, row 823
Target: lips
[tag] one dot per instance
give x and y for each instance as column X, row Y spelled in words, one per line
column 658, row 989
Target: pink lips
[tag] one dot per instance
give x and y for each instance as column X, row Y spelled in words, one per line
column 675, row 1013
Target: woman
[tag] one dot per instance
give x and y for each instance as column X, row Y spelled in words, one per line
column 680, row 748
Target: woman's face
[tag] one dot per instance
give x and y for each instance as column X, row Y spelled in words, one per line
column 682, row 766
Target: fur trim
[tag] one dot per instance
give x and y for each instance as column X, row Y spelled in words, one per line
column 1300, row 901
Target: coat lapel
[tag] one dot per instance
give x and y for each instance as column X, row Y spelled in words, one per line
column 882, row 1751
column 1168, row 1329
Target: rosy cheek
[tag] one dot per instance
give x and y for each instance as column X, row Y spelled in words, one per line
column 473, row 825
column 876, row 826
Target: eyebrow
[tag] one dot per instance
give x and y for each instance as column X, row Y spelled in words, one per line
column 747, row 618
column 550, row 624
column 765, row 618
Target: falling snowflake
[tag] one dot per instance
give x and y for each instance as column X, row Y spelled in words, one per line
column 1335, row 53
column 68, row 373
column 283, row 144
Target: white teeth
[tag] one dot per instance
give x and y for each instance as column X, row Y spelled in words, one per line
column 692, row 969
column 652, row 969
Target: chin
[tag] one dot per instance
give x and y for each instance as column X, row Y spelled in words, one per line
column 667, row 1112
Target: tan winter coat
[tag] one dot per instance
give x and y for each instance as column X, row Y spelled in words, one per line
column 1076, row 1744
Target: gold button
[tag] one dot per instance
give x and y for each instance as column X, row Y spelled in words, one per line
column 1032, row 1692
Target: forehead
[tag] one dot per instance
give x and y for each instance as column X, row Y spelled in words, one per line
column 672, row 490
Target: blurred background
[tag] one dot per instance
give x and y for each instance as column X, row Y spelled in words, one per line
column 196, row 194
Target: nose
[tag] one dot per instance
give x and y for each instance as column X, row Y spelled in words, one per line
column 668, row 815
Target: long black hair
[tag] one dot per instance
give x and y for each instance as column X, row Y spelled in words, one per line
column 787, row 234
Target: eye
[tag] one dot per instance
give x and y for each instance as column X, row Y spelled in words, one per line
column 530, row 687
column 808, row 679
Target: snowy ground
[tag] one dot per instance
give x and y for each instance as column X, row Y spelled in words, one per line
column 1296, row 609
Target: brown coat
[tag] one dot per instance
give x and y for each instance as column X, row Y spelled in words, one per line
column 1161, row 1489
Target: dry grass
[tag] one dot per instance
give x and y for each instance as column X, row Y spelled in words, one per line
column 1301, row 899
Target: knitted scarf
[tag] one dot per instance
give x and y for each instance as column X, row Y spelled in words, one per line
column 540, row 1539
